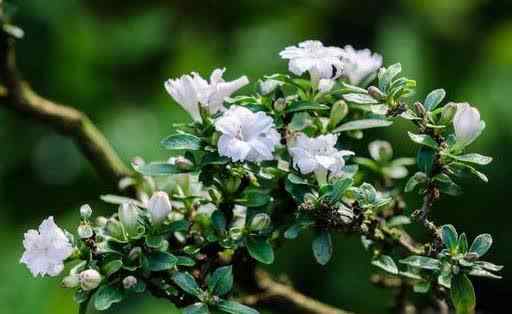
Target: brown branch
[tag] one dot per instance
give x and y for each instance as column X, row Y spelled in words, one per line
column 19, row 97
column 277, row 295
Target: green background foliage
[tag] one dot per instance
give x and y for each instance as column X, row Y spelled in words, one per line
column 110, row 59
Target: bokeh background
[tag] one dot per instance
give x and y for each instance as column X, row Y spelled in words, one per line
column 110, row 59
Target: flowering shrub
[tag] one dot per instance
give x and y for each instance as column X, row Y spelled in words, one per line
column 253, row 170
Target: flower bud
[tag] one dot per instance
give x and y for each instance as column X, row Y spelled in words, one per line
column 159, row 207
column 280, row 104
column 85, row 211
column 85, row 231
column 89, row 279
column 448, row 113
column 129, row 282
column 71, row 281
column 376, row 93
column 135, row 253
column 380, row 150
column 466, row 123
column 101, row 221
column 129, row 216
column 260, row 222
column 338, row 112
column 183, row 163
column 232, row 184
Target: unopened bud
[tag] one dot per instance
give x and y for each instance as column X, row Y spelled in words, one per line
column 89, row 279
column 85, row 211
column 129, row 282
column 280, row 105
column 183, row 163
column 71, row 281
column 101, row 221
column 135, row 253
column 380, row 150
column 260, row 222
column 129, row 216
column 471, row 256
column 85, row 231
column 376, row 93
column 232, row 184
column 159, row 207
column 338, row 112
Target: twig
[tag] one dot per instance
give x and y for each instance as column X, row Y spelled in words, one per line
column 277, row 295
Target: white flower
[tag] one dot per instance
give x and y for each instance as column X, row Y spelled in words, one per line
column 311, row 56
column 246, row 135
column 467, row 124
column 359, row 64
column 318, row 154
column 192, row 91
column 46, row 250
column 90, row 279
column 159, row 207
column 268, row 86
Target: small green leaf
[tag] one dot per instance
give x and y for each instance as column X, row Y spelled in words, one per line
column 221, row 281
column 184, row 261
column 422, row 286
column 112, row 267
column 425, row 159
column 219, row 220
column 362, row 99
column 422, row 262
column 305, row 105
column 160, row 261
column 481, row 244
column 338, row 188
column 434, row 99
column 176, row 226
column 106, row 296
column 235, row 308
column 423, row 139
column 463, row 243
column 463, row 294
column 473, row 158
column 187, row 283
column 450, row 238
column 196, row 308
column 476, row 271
column 415, row 180
column 300, row 121
column 260, row 250
column 322, row 247
column 362, row 124
column 387, row 75
column 386, row 263
column 82, row 309
column 296, row 229
column 157, row 169
column 182, row 141
column 254, row 198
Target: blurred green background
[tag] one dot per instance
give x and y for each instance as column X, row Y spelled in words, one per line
column 110, row 59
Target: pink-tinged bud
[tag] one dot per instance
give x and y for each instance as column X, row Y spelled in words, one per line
column 129, row 282
column 89, row 279
column 467, row 124
column 159, row 207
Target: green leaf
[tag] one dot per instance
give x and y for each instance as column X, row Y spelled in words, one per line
column 462, row 294
column 450, row 238
column 176, row 226
column 362, row 124
column 489, row 266
column 160, row 261
column 338, row 188
column 106, row 296
column 187, row 283
column 296, row 229
column 481, row 244
column 219, row 220
column 112, row 267
column 184, row 261
column 462, row 169
column 221, row 281
column 254, row 198
column 297, row 187
column 423, row 139
column 415, row 180
column 182, row 141
column 305, row 105
column 399, row 220
column 477, row 271
column 322, row 247
column 422, row 262
column 196, row 308
column 157, row 169
column 300, row 121
column 425, row 159
column 235, row 308
column 386, row 263
column 387, row 75
column 473, row 158
column 463, row 243
column 422, row 286
column 362, row 99
column 213, row 158
column 434, row 99
column 82, row 309
column 260, row 249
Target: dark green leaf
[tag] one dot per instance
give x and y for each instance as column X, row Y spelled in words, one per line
column 160, row 261
column 187, row 283
column 322, row 247
column 423, row 139
column 362, row 124
column 182, row 141
column 219, row 220
column 473, row 158
column 387, row 75
column 481, row 244
column 254, row 198
column 463, row 294
column 422, row 262
column 184, row 261
column 157, row 169
column 463, row 243
column 260, row 250
column 362, row 99
column 106, row 296
column 425, row 160
column 196, row 308
column 221, row 281
column 450, row 237
column 112, row 267
column 235, row 308
column 338, row 188
column 305, row 105
column 386, row 263
column 415, row 180
column 296, row 229
column 434, row 99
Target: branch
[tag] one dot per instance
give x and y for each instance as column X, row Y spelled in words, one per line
column 19, row 97
column 276, row 295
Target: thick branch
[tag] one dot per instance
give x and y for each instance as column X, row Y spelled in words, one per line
column 276, row 295
column 19, row 97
